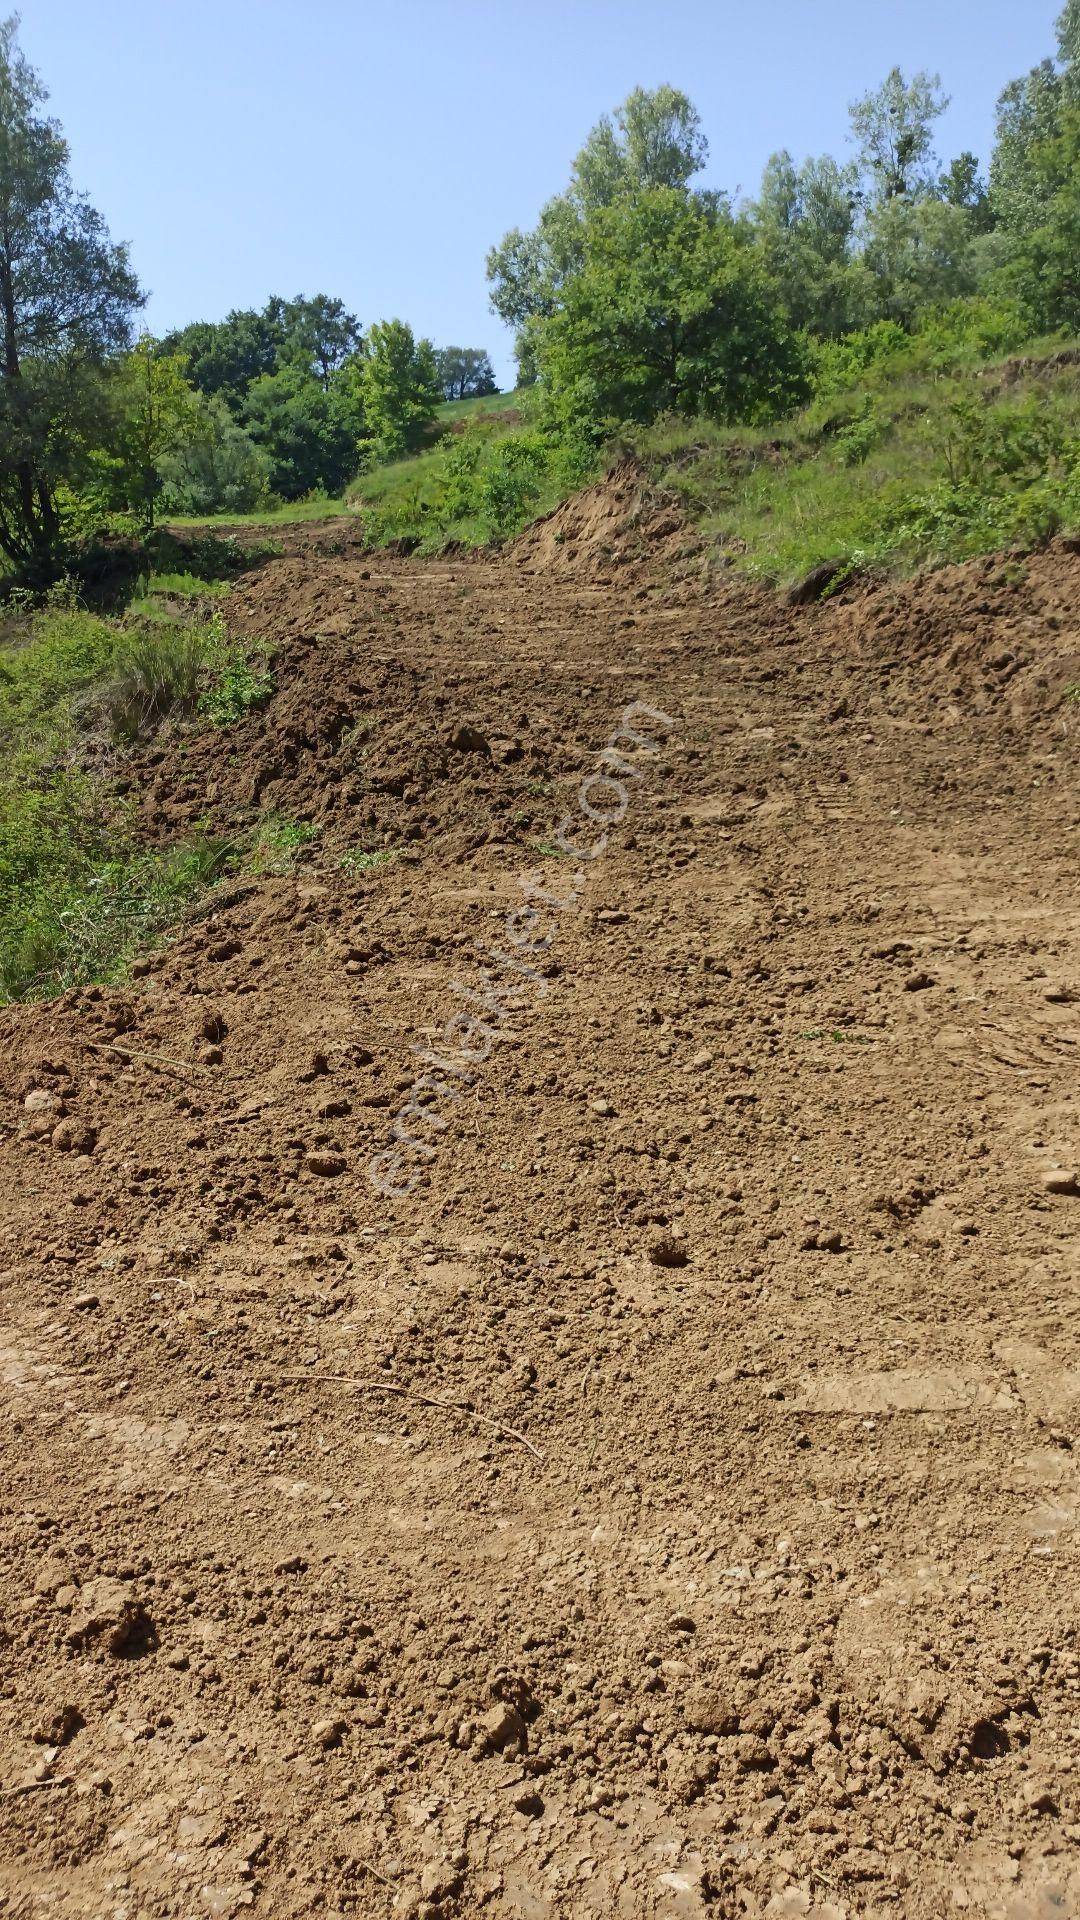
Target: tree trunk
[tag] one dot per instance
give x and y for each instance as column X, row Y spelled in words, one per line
column 36, row 533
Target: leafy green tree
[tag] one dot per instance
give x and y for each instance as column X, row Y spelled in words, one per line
column 920, row 252
column 1068, row 39
column 1030, row 118
column 962, row 185
column 227, row 356
column 67, row 296
column 159, row 413
column 654, row 139
column 398, row 389
column 804, row 220
column 893, row 129
column 1046, row 262
column 308, row 431
column 465, row 372
column 671, row 310
column 318, row 334
column 218, row 469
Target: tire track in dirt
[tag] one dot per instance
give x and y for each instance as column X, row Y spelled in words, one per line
column 784, row 1621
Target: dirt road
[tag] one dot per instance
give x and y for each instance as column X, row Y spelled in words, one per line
column 666, row 1506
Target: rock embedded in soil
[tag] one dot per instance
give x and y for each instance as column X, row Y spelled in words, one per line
column 707, row 1709
column 1061, row 1180
column 328, row 1165
column 107, row 1613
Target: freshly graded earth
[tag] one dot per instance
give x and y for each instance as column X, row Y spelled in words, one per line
column 624, row 1463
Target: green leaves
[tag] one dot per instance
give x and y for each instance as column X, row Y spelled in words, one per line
column 67, row 295
column 670, row 311
column 399, row 389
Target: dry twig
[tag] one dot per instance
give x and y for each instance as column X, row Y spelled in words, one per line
column 425, row 1399
column 156, row 1059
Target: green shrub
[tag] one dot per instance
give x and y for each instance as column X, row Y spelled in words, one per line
column 512, row 479
column 77, row 897
column 158, row 671
column 60, row 651
column 855, row 441
column 238, row 688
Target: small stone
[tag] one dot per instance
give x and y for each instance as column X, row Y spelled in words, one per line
column 328, row 1733
column 702, row 1060
column 329, row 1165
column 438, row 1881
column 918, row 982
column 85, row 1302
column 603, row 1107
column 39, row 1101
column 107, row 1611
column 709, row 1710
column 503, row 1728
column 752, row 1754
column 57, row 1728
column 71, row 1137
column 1038, row 1797
column 1060, row 1180
column 682, row 1623
column 468, row 739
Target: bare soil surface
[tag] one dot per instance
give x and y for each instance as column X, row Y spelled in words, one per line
column 668, row 1506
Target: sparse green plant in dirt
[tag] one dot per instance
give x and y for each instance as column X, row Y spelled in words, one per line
column 548, row 850
column 278, row 843
column 241, row 681
column 356, row 860
column 238, row 689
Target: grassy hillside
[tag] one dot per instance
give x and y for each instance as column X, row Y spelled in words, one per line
column 895, row 465
column 913, row 452
column 479, row 405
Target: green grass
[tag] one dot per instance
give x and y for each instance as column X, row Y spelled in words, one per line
column 475, row 488
column 79, row 895
column 902, row 464
column 187, row 586
column 285, row 515
column 279, row 842
column 478, row 405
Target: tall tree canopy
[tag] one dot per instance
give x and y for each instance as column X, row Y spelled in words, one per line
column 893, row 129
column 398, row 388
column 671, row 310
column 67, row 297
column 653, row 140
column 465, row 372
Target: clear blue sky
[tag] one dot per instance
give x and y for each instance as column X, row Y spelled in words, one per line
column 376, row 151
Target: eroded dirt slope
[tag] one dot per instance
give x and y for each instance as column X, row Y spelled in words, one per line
column 670, row 1507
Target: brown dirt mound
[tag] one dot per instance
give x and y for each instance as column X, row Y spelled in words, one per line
column 669, row 1507
column 622, row 520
